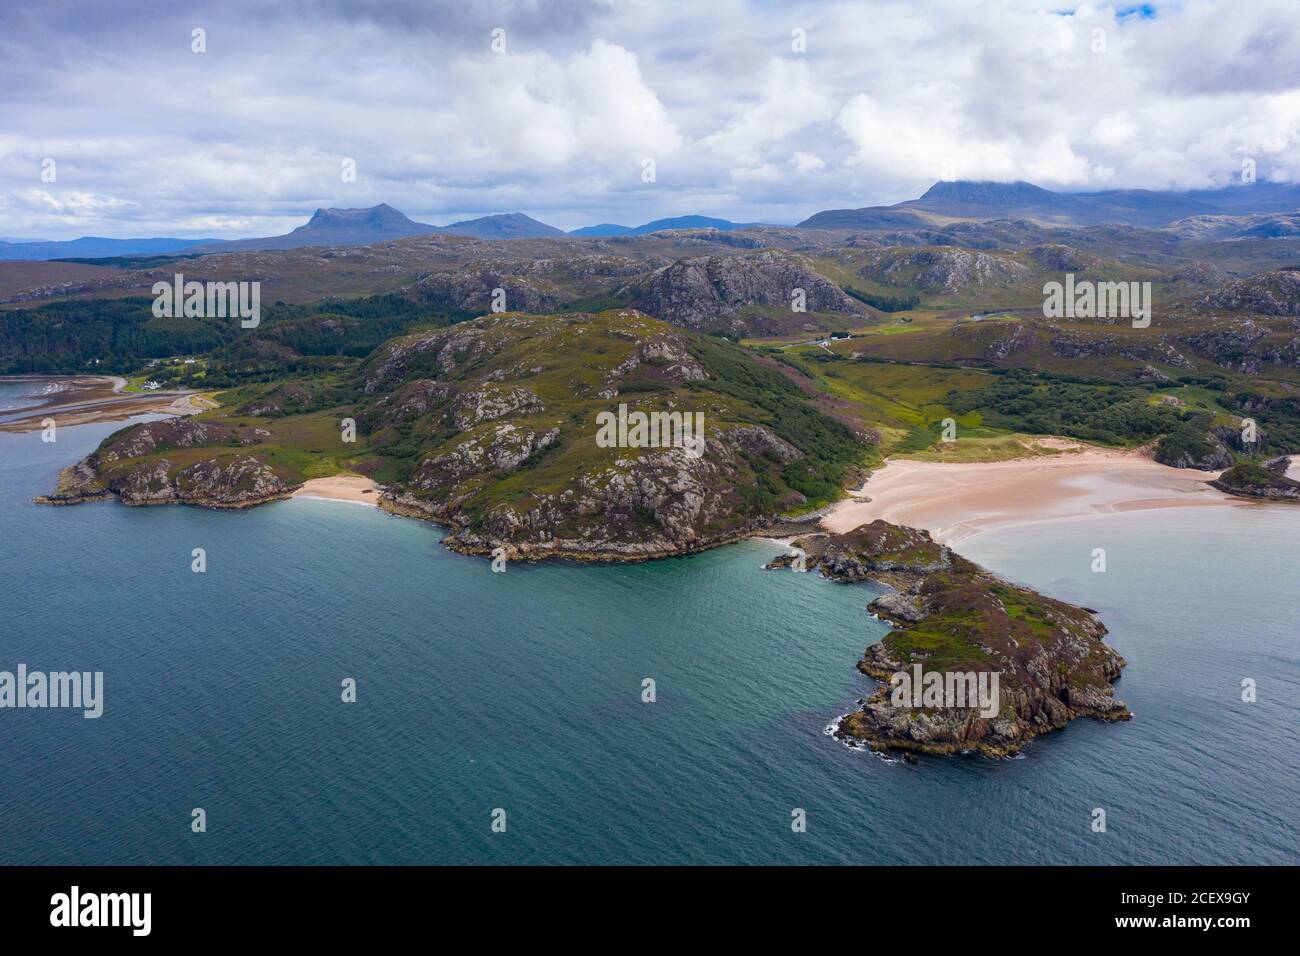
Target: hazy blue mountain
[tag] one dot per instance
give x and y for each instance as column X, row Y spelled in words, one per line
column 333, row 227
column 1022, row 200
column 658, row 225
column 870, row 217
column 511, row 225
column 603, row 229
column 92, row 247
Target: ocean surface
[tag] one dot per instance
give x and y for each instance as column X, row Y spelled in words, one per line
column 522, row 691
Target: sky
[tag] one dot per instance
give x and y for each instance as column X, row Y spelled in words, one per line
column 576, row 112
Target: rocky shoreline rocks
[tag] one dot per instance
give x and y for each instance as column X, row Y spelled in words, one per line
column 953, row 617
column 1267, row 482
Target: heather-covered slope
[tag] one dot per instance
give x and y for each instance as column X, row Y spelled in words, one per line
column 490, row 428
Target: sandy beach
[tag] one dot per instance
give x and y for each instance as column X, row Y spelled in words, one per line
column 353, row 488
column 956, row 500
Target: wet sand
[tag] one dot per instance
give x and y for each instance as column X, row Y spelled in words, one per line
column 956, row 500
column 84, row 399
column 354, row 488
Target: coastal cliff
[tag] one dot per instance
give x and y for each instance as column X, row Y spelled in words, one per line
column 951, row 616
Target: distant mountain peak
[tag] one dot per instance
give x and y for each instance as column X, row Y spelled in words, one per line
column 660, row 225
column 504, row 225
column 382, row 216
column 985, row 192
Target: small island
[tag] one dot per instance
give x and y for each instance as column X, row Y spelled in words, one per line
column 952, row 616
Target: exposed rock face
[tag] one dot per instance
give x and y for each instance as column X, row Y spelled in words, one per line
column 953, row 617
column 1210, row 450
column 1265, row 293
column 489, row 402
column 1000, row 340
column 1246, row 345
column 149, row 437
column 1077, row 343
column 1213, row 455
column 478, row 387
column 1059, row 258
column 233, row 481
column 501, row 447
column 943, row 270
column 712, row 292
column 1201, row 273
column 472, row 291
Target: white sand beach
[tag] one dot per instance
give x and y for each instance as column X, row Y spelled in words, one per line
column 955, row 500
column 354, row 488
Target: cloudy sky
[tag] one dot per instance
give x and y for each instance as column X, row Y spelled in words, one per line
column 749, row 109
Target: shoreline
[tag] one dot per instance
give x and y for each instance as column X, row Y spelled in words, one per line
column 352, row 489
column 953, row 501
column 956, row 500
column 89, row 399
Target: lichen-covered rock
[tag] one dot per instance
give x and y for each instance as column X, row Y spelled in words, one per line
column 713, row 292
column 1265, row 293
column 952, row 617
column 943, row 270
column 491, row 401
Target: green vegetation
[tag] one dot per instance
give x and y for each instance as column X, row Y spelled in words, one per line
column 885, row 303
column 1050, row 405
column 120, row 335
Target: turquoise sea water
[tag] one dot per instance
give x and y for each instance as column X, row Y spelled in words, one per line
column 522, row 691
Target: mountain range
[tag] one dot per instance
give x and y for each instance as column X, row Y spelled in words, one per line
column 1021, row 200
column 942, row 203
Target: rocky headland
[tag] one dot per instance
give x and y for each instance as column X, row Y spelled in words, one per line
column 1267, row 482
column 952, row 616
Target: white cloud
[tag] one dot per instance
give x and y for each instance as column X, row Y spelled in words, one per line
column 151, row 139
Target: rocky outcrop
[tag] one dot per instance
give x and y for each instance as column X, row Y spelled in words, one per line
column 1267, row 481
column 1205, row 448
column 1246, row 345
column 952, row 618
column 230, row 481
column 1081, row 344
column 133, row 466
column 149, row 437
column 1265, row 293
column 943, row 270
column 715, row 292
column 497, row 429
column 1060, row 258
column 1200, row 273
column 491, row 401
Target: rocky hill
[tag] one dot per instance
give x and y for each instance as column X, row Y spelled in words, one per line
column 722, row 292
column 1266, row 293
column 951, row 616
column 491, row 428
column 941, row 270
column 1267, row 481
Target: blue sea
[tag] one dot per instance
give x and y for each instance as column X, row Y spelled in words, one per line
column 522, row 692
